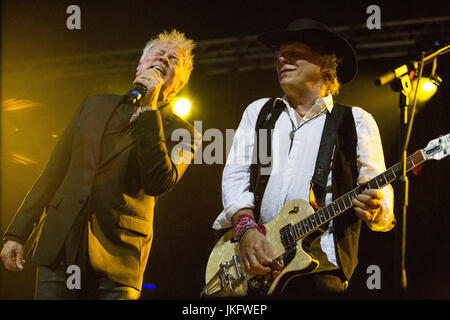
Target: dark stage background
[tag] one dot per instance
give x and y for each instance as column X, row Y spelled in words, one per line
column 37, row 67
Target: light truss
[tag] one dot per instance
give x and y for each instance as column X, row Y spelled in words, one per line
column 229, row 55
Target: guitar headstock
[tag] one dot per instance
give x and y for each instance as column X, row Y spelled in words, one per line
column 438, row 148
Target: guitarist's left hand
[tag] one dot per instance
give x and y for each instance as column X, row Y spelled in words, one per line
column 367, row 205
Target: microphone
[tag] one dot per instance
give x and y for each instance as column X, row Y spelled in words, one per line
column 135, row 95
column 391, row 75
column 412, row 65
column 139, row 90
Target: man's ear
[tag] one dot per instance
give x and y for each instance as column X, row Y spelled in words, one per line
column 178, row 86
column 324, row 69
column 174, row 91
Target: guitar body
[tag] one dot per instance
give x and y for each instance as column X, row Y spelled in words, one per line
column 297, row 259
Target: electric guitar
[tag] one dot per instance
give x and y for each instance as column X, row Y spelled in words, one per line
column 291, row 232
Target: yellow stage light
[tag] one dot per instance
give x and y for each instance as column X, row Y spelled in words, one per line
column 426, row 90
column 19, row 158
column 18, row 104
column 181, row 107
column 428, row 86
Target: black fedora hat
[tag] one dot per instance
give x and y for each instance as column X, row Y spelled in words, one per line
column 318, row 36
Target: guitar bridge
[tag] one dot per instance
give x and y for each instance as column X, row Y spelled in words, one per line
column 224, row 279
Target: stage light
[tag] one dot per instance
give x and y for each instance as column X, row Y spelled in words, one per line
column 148, row 286
column 427, row 88
column 18, row 104
column 435, row 79
column 21, row 159
column 181, row 107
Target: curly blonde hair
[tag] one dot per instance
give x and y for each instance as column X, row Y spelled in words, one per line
column 328, row 68
column 180, row 42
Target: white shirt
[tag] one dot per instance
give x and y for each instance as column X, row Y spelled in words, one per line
column 293, row 165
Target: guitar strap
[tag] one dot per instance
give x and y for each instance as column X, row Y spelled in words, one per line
column 324, row 156
column 267, row 118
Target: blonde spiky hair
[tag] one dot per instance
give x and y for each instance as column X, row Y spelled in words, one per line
column 179, row 41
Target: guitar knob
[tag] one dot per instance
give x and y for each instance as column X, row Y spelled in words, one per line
column 255, row 284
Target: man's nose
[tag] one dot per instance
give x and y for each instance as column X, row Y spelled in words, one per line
column 164, row 59
column 282, row 60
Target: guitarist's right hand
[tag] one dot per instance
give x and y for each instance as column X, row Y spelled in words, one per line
column 255, row 252
column 256, row 255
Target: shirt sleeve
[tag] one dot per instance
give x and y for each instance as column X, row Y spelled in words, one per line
column 370, row 158
column 236, row 174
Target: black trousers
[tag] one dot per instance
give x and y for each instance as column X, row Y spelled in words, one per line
column 52, row 284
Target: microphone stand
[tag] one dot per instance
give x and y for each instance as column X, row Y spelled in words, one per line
column 400, row 81
column 402, row 84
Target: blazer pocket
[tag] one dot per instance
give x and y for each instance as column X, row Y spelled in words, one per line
column 135, row 224
column 56, row 200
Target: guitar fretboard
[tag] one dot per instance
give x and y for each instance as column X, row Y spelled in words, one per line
column 324, row 215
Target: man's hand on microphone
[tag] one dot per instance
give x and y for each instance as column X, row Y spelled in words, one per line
column 152, row 80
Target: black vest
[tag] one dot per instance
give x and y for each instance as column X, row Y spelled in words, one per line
column 344, row 169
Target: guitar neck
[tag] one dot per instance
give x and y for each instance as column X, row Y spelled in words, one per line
column 329, row 212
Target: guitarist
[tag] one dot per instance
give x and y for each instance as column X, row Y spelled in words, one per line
column 312, row 62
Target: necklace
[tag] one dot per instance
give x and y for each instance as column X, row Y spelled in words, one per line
column 302, row 114
column 292, row 133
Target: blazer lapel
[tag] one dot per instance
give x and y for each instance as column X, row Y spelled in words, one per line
column 99, row 118
column 128, row 140
column 124, row 143
column 166, row 114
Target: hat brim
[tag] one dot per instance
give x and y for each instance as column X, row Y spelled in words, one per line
column 326, row 41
